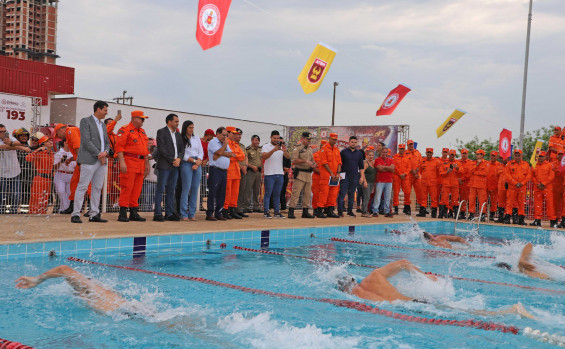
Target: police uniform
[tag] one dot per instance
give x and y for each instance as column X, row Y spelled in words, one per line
column 253, row 179
column 302, row 174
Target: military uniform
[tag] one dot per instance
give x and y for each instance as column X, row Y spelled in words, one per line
column 253, row 179
column 302, row 177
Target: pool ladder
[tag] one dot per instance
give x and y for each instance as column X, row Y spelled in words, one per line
column 473, row 229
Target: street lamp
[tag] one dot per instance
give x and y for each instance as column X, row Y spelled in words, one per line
column 523, row 115
column 333, row 108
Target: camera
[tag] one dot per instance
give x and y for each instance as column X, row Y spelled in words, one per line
column 111, row 153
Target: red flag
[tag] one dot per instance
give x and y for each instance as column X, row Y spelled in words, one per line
column 393, row 99
column 504, row 144
column 212, row 15
column 562, row 165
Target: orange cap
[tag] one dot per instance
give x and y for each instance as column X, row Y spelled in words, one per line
column 231, row 129
column 453, row 151
column 542, row 153
column 323, row 142
column 138, row 114
column 333, row 135
column 557, row 128
column 369, row 148
column 464, row 151
column 445, row 150
column 43, row 139
column 480, row 151
column 410, row 141
column 402, row 146
column 58, row 127
column 517, row 151
column 429, row 150
column 493, row 153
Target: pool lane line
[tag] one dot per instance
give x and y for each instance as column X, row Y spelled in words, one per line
column 7, row 344
column 481, row 325
column 375, row 267
column 412, row 248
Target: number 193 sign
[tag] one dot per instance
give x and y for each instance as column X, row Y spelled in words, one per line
column 15, row 112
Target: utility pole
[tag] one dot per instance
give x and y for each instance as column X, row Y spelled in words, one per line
column 124, row 98
column 333, row 108
column 523, row 116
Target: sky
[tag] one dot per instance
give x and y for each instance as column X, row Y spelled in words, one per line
column 466, row 54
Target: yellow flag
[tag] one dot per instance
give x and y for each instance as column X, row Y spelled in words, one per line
column 535, row 154
column 451, row 120
column 316, row 68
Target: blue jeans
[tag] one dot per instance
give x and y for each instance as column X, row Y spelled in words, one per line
column 168, row 179
column 190, row 186
column 10, row 189
column 347, row 186
column 387, row 189
column 217, row 180
column 273, row 184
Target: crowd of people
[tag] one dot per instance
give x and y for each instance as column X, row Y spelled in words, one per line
column 172, row 165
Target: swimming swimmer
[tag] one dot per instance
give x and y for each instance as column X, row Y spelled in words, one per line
column 376, row 287
column 524, row 264
column 438, row 240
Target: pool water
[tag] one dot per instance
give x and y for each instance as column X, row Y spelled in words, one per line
column 176, row 313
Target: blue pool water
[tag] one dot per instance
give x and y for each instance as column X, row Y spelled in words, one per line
column 176, row 313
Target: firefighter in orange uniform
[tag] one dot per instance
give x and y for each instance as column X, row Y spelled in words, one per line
column 318, row 212
column 42, row 159
column 494, row 171
column 478, row 184
column 401, row 179
column 113, row 165
column 557, row 184
column 443, row 159
column 465, row 166
column 556, row 143
column 429, row 169
column 449, row 173
column 234, row 176
column 71, row 135
column 330, row 167
column 543, row 177
column 502, row 191
column 132, row 151
column 517, row 176
column 415, row 175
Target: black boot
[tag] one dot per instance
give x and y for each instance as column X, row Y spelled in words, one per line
column 562, row 224
column 514, row 218
column 484, row 217
column 320, row 213
column 471, row 216
column 123, row 217
column 536, row 223
column 500, row 215
column 553, row 223
column 291, row 213
column 226, row 214
column 521, row 220
column 506, row 219
column 491, row 216
column 233, row 214
column 422, row 212
column 340, row 212
column 69, row 209
column 462, row 215
column 407, row 210
column 434, row 212
column 395, row 209
column 242, row 213
column 305, row 213
column 442, row 211
column 331, row 212
column 134, row 216
column 450, row 214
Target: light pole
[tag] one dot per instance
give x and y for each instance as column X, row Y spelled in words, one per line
column 333, row 108
column 523, row 115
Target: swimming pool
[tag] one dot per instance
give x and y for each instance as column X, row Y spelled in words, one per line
column 178, row 313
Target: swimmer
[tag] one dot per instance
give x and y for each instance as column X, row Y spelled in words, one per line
column 376, row 287
column 438, row 240
column 525, row 266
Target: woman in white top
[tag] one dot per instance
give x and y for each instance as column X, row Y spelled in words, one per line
column 190, row 171
column 63, row 174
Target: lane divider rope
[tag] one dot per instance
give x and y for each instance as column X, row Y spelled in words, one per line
column 375, row 267
column 6, row 344
column 487, row 326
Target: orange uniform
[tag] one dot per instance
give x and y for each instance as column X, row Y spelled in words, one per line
column 430, row 179
column 332, row 157
column 113, row 165
column 543, row 174
column 557, row 187
column 132, row 142
column 494, row 171
column 478, row 185
column 465, row 167
column 502, row 188
column 449, row 183
column 415, row 179
column 41, row 186
column 402, row 166
column 72, row 137
column 234, row 175
column 517, row 172
column 316, row 182
column 557, row 143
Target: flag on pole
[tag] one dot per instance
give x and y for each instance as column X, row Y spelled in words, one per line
column 535, row 154
column 316, row 68
column 212, row 15
column 393, row 99
column 450, row 121
column 504, row 144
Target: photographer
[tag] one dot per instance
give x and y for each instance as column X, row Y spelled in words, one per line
column 9, row 172
column 63, row 175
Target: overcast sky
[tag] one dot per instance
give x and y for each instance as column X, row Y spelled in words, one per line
column 452, row 53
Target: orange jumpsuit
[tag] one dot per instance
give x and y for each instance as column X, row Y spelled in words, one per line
column 494, row 171
column 234, row 175
column 450, row 184
column 557, row 187
column 502, row 191
column 543, row 174
column 402, row 165
column 465, row 167
column 430, row 179
column 517, row 172
column 41, row 186
column 132, row 142
column 316, row 182
column 478, row 185
column 113, row 166
column 331, row 156
column 557, row 143
column 72, row 136
column 440, row 179
column 416, row 180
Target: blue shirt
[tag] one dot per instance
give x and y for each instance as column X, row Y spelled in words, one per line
column 352, row 161
column 222, row 162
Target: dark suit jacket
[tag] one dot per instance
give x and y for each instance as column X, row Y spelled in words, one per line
column 90, row 141
column 166, row 148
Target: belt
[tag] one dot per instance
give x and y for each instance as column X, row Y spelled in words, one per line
column 67, row 172
column 135, row 156
column 217, row 168
column 298, row 170
column 44, row 175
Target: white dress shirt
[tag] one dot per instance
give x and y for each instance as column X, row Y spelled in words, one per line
column 174, row 142
column 100, row 125
column 195, row 149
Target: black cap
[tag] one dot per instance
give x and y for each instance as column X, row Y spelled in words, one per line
column 306, row 135
column 239, row 131
column 275, row 133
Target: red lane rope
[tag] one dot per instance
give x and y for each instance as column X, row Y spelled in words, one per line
column 6, row 344
column 412, row 248
column 375, row 267
column 487, row 326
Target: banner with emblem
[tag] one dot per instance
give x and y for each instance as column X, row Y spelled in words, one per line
column 15, row 112
column 504, row 144
column 212, row 15
column 316, row 68
column 449, row 122
column 393, row 99
column 535, row 153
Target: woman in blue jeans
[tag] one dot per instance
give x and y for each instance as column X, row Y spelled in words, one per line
column 190, row 171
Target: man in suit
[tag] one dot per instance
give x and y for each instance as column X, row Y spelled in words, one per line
column 170, row 151
column 92, row 154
